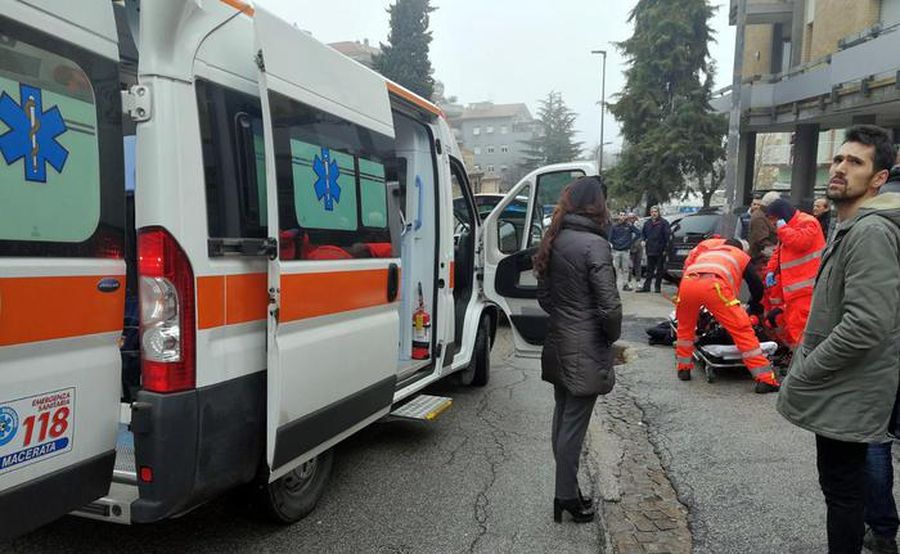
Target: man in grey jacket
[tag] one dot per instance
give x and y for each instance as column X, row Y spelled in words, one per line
column 845, row 374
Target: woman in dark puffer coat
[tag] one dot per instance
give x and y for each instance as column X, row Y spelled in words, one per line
column 577, row 287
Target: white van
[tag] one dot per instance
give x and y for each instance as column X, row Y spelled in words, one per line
column 221, row 246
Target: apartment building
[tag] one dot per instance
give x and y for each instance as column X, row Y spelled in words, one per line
column 495, row 134
column 810, row 69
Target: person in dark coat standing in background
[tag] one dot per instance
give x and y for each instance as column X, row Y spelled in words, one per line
column 577, row 287
column 656, row 237
column 822, row 211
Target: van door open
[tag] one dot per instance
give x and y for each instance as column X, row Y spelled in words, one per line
column 333, row 316
column 62, row 272
column 511, row 235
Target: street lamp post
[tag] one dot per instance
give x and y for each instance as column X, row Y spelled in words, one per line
column 602, row 108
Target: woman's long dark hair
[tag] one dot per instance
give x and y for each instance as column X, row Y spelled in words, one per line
column 581, row 197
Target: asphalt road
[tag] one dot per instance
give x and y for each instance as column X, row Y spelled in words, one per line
column 479, row 479
column 747, row 476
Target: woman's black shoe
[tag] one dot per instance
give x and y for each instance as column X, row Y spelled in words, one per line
column 576, row 509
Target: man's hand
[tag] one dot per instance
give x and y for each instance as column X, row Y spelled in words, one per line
column 770, row 279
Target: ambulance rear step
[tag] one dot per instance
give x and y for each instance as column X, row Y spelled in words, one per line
column 116, row 505
column 424, row 407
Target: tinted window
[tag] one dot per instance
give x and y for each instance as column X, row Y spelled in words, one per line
column 233, row 162
column 61, row 162
column 697, row 224
column 332, row 194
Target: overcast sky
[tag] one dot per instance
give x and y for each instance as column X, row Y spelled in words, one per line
column 511, row 50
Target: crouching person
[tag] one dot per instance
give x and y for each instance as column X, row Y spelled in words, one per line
column 712, row 277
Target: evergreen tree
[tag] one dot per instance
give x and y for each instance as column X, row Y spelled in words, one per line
column 404, row 59
column 553, row 140
column 664, row 109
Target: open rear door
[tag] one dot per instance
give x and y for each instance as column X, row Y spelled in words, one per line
column 62, row 271
column 511, row 235
column 333, row 320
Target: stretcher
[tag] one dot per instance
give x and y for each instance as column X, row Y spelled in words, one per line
column 714, row 349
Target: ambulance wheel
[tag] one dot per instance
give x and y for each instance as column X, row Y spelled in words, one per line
column 293, row 496
column 478, row 372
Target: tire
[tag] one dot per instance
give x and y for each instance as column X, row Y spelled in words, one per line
column 295, row 495
column 478, row 372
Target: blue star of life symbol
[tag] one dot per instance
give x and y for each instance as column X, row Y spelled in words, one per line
column 327, row 187
column 9, row 422
column 33, row 134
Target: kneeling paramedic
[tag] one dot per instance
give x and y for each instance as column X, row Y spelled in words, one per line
column 712, row 277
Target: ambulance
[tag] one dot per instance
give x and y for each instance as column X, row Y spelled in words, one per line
column 224, row 248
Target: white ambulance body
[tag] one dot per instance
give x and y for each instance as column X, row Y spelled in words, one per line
column 298, row 221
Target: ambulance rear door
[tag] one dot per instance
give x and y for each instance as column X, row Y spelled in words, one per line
column 333, row 323
column 62, row 271
column 511, row 235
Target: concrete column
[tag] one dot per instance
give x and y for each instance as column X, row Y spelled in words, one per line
column 746, row 168
column 798, row 28
column 803, row 172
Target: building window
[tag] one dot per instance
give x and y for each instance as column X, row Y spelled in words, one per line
column 504, row 129
column 477, row 167
column 490, row 168
column 504, row 149
column 490, row 149
column 489, row 129
column 476, row 131
column 477, row 150
column 504, row 168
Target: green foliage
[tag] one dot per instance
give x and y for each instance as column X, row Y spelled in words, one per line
column 554, row 136
column 664, row 110
column 404, row 59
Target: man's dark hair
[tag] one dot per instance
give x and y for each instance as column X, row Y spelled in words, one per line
column 880, row 138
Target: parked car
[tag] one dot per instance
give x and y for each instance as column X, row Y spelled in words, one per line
column 687, row 232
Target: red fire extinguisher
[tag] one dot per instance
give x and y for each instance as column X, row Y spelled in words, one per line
column 421, row 344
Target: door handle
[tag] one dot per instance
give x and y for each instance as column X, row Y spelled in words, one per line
column 393, row 282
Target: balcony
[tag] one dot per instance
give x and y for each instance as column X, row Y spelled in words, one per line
column 764, row 13
column 860, row 79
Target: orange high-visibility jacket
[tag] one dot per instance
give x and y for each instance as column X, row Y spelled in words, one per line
column 798, row 255
column 714, row 256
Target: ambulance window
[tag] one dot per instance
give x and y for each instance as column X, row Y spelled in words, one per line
column 61, row 162
column 511, row 222
column 332, row 191
column 233, row 162
column 549, row 188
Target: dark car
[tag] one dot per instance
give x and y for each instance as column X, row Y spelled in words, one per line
column 687, row 233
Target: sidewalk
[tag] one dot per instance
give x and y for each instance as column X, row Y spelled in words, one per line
column 640, row 508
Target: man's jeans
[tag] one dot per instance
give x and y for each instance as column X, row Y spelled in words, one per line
column 881, row 510
column 842, row 476
column 622, row 264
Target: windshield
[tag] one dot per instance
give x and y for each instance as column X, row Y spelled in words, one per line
column 697, row 225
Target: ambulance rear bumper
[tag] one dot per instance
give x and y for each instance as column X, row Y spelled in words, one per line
column 26, row 507
column 196, row 444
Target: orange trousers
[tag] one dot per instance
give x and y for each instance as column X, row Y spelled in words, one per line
column 796, row 312
column 714, row 293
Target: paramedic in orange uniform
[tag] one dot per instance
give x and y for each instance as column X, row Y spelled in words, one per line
column 712, row 278
column 795, row 263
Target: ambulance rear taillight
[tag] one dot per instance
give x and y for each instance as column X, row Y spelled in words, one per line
column 167, row 313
